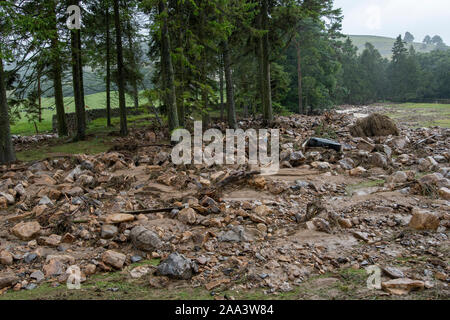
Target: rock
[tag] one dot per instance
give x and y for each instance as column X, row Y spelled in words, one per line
column 145, row 239
column 3, row 203
column 86, row 180
column 259, row 182
column 73, row 175
column 378, row 160
column 45, row 201
column 423, row 220
column 45, row 180
column 177, row 266
column 8, row 280
column 296, row 158
column 216, row 283
column 90, row 269
column 31, row 286
column 399, row 177
column 400, row 142
column 345, row 223
column 321, row 165
column 75, row 192
column 347, row 163
column 114, row 259
column 393, row 272
column 444, row 193
column 139, row 272
column 54, row 267
column 87, row 165
column 361, row 235
column 37, row 275
column 9, row 198
column 53, row 240
column 402, row 286
column 262, row 210
column 119, row 218
column 6, row 258
column 136, row 258
column 159, row 282
column 187, row 216
column 64, row 258
column 68, row 238
column 262, row 228
column 384, row 149
column 365, row 145
column 54, row 194
column 321, row 225
column 428, row 164
column 29, row 258
column 357, row 171
column 109, row 231
column 160, row 158
column 26, row 230
column 236, row 234
column 433, row 181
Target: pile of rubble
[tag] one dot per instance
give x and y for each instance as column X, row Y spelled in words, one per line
column 17, row 139
column 341, row 202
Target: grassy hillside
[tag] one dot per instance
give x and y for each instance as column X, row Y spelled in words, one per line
column 385, row 44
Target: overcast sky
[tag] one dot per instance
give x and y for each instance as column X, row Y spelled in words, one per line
column 393, row 17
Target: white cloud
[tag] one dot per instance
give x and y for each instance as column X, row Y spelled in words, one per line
column 373, row 18
column 394, row 17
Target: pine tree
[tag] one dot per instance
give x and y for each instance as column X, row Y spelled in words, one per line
column 120, row 70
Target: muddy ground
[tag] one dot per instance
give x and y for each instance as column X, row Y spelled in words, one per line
column 307, row 232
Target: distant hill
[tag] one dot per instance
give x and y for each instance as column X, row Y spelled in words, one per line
column 384, row 44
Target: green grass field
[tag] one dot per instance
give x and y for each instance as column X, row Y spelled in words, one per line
column 94, row 101
column 420, row 114
column 384, row 44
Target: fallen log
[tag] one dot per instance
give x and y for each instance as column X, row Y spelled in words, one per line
column 143, row 211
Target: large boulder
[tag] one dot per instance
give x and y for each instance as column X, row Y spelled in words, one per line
column 402, row 286
column 177, row 266
column 187, row 216
column 423, row 220
column 114, row 259
column 26, row 230
column 145, row 239
column 8, row 280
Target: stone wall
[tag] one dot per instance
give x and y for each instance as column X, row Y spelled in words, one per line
column 91, row 115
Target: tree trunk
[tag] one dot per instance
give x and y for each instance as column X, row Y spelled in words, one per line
column 299, row 74
column 180, row 90
column 133, row 65
column 39, row 96
column 260, row 64
column 79, row 106
column 80, row 65
column 57, row 79
column 268, row 116
column 231, row 108
column 121, row 71
column 169, row 95
column 108, row 71
column 221, row 86
column 7, row 153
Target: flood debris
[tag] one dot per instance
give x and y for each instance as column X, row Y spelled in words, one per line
column 344, row 202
